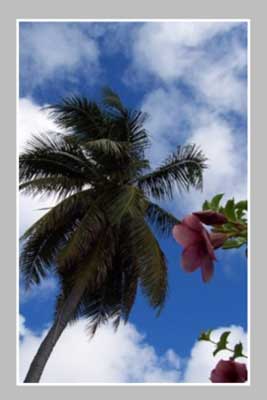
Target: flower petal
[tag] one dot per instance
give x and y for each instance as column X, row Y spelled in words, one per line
column 229, row 371
column 192, row 222
column 208, row 243
column 184, row 235
column 207, row 268
column 219, row 373
column 241, row 371
column 192, row 257
column 217, row 239
column 211, row 217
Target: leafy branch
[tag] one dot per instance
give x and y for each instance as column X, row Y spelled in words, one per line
column 222, row 344
column 236, row 227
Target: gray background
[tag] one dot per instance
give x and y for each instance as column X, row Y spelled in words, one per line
column 122, row 9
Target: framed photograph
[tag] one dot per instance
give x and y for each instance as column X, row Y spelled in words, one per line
column 133, row 178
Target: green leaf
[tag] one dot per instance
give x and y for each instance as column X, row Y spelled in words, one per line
column 234, row 243
column 216, row 201
column 229, row 210
column 242, row 205
column 205, row 335
column 241, row 209
column 239, row 214
column 238, row 351
column 206, row 205
column 221, row 345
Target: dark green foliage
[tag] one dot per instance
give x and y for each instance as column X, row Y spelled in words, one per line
column 205, row 335
column 161, row 219
column 183, row 168
column 98, row 233
column 222, row 344
column 238, row 351
column 236, row 226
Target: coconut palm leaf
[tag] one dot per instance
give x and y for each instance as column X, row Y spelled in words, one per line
column 80, row 118
column 39, row 253
column 122, row 201
column 151, row 262
column 56, row 185
column 112, row 102
column 108, row 147
column 163, row 220
column 183, row 168
column 42, row 242
column 83, row 238
column 92, row 269
column 50, row 155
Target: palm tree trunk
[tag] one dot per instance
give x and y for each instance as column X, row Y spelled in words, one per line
column 40, row 359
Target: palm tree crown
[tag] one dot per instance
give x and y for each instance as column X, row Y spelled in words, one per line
column 99, row 237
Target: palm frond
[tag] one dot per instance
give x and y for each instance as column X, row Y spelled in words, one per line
column 50, row 155
column 184, row 168
column 130, row 124
column 70, row 208
column 42, row 242
column 137, row 134
column 55, row 185
column 112, row 300
column 84, row 237
column 112, row 102
column 164, row 221
column 115, row 298
column 39, row 253
column 122, row 201
column 110, row 296
column 126, row 262
column 94, row 270
column 105, row 303
column 80, row 118
column 108, row 147
column 151, row 262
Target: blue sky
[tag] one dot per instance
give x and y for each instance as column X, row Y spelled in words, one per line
column 191, row 78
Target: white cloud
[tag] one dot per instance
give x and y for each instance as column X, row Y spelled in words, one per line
column 47, row 288
column 218, row 80
column 167, row 49
column 226, row 172
column 224, row 148
column 164, row 113
column 49, row 48
column 201, row 360
column 31, row 120
column 23, row 331
column 183, row 50
column 122, row 356
column 31, row 209
column 176, row 50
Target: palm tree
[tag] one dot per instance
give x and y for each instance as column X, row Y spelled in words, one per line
column 98, row 239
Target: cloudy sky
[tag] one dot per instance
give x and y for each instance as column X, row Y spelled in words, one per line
column 191, row 78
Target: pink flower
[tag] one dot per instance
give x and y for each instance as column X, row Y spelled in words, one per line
column 229, row 371
column 198, row 244
column 211, row 217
